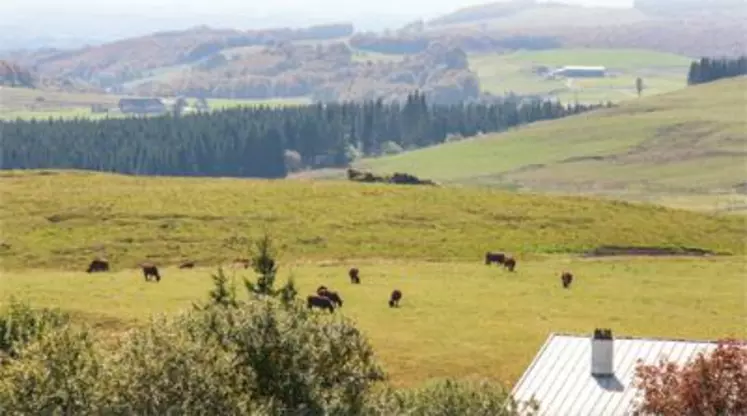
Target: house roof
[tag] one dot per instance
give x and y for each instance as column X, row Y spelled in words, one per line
column 560, row 377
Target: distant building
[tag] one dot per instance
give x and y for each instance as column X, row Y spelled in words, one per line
column 142, row 106
column 580, row 72
column 583, row 375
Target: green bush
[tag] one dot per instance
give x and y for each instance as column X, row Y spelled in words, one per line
column 20, row 324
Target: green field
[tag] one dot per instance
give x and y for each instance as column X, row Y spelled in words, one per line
column 427, row 242
column 688, row 144
column 661, row 72
column 492, row 329
column 62, row 220
column 27, row 103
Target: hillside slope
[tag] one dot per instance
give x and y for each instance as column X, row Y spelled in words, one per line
column 63, row 219
column 689, row 142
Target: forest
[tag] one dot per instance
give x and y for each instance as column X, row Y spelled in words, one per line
column 255, row 141
column 713, row 69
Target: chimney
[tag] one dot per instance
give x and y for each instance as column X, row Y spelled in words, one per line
column 602, row 353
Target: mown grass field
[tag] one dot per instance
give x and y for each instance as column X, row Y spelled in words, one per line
column 662, row 72
column 688, row 144
column 457, row 319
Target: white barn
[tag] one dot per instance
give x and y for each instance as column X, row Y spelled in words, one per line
column 583, row 376
column 572, row 71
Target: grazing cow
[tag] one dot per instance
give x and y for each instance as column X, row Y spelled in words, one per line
column 491, row 257
column 242, row 262
column 354, row 276
column 510, row 264
column 333, row 296
column 567, row 279
column 320, row 302
column 150, row 270
column 394, row 298
column 187, row 265
column 98, row 265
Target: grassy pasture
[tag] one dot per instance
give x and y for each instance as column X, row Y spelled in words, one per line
column 662, row 72
column 61, row 220
column 457, row 319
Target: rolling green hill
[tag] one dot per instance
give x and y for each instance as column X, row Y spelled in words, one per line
column 686, row 144
column 62, row 219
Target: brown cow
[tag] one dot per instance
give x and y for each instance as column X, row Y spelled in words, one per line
column 320, row 302
column 98, row 265
column 187, row 265
column 354, row 276
column 394, row 298
column 150, row 270
column 333, row 296
column 567, row 279
column 510, row 264
column 491, row 257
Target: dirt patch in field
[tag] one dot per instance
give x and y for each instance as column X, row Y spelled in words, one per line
column 604, row 251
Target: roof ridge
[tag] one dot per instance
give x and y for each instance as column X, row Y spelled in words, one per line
column 636, row 338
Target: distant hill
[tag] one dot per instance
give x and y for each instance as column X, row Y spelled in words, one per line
column 13, row 75
column 690, row 142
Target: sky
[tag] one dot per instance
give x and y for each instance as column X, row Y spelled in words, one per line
column 108, row 20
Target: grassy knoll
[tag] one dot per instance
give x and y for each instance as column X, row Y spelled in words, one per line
column 662, row 72
column 62, row 220
column 456, row 319
column 689, row 143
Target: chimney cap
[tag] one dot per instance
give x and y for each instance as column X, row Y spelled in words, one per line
column 602, row 333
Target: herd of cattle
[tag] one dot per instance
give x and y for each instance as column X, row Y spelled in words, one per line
column 325, row 298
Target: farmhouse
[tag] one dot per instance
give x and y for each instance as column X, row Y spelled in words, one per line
column 142, row 105
column 579, row 72
column 582, row 375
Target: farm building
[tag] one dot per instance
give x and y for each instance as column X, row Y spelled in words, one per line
column 582, row 375
column 142, row 105
column 580, row 72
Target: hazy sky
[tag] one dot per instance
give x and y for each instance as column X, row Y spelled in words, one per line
column 107, row 20
column 317, row 8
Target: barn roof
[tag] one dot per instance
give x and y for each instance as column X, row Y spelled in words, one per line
column 560, row 377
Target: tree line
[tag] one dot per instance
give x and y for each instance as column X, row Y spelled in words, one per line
column 254, row 141
column 712, row 69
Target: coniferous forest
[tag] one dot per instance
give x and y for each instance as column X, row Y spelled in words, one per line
column 712, row 69
column 253, row 141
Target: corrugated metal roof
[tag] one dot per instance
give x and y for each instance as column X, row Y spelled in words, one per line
column 560, row 377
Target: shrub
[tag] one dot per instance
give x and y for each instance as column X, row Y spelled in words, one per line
column 59, row 372
column 20, row 325
column 712, row 385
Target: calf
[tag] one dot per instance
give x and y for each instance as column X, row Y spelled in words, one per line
column 333, row 296
column 510, row 264
column 395, row 298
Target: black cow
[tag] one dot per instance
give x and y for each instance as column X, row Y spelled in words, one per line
column 313, row 301
column 394, row 298
column 354, row 276
column 98, row 265
column 151, row 271
column 491, row 257
column 567, row 279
